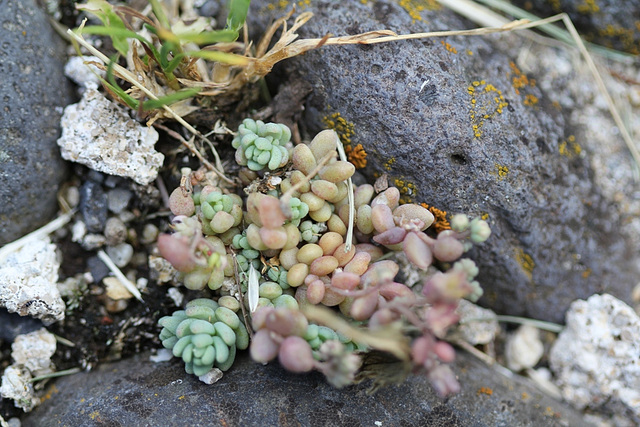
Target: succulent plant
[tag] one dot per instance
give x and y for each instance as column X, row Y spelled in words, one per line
column 204, row 335
column 261, row 145
column 299, row 239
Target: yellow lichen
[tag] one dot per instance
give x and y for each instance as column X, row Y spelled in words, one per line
column 486, row 102
column 407, row 190
column 588, row 7
column 569, row 147
column 414, row 7
column 343, row 127
column 345, row 130
column 484, row 216
column 526, row 262
column 502, row 171
column 389, row 164
column 440, row 222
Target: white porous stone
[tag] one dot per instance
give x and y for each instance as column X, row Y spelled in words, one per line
column 98, row 134
column 28, row 282
column 596, row 359
column 524, row 348
column 211, row 377
column 82, row 73
column 34, row 351
column 477, row 325
column 16, row 385
column 176, row 296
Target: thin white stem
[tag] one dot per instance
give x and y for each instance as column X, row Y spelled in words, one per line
column 121, row 277
column 38, row 234
column 352, row 210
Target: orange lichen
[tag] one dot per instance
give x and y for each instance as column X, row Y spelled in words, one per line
column 345, row 130
column 448, row 47
column 530, row 100
column 440, row 222
column 586, row 273
column 356, row 155
column 485, row 390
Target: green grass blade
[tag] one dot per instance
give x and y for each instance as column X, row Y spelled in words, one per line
column 104, row 11
column 115, row 88
column 210, row 37
column 152, row 104
column 214, row 55
column 238, row 10
column 159, row 12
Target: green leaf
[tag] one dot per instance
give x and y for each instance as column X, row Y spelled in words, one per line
column 104, row 11
column 115, row 88
column 209, row 37
column 214, row 55
column 159, row 12
column 238, row 10
column 152, row 104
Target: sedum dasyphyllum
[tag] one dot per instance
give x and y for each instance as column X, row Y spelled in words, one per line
column 294, row 238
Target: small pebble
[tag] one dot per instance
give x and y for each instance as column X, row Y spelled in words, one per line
column 120, row 254
column 149, row 234
column 97, row 268
column 93, row 206
column 118, row 199
column 211, row 377
column 524, row 348
column 176, row 296
column 91, row 242
column 115, row 231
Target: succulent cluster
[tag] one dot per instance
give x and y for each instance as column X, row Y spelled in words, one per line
column 301, row 346
column 302, row 236
column 262, row 145
column 205, row 335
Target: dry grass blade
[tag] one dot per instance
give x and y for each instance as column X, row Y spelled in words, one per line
column 389, row 340
column 129, row 77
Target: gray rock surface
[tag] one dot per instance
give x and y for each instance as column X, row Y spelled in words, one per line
column 456, row 124
column 610, row 23
column 142, row 393
column 33, row 91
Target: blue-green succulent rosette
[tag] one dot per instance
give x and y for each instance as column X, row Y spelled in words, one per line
column 262, row 145
column 204, row 335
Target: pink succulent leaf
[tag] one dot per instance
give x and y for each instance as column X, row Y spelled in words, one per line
column 175, row 249
column 417, row 251
column 392, row 236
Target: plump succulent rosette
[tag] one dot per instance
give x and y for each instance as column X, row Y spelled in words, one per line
column 290, row 244
column 204, row 335
column 262, row 145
